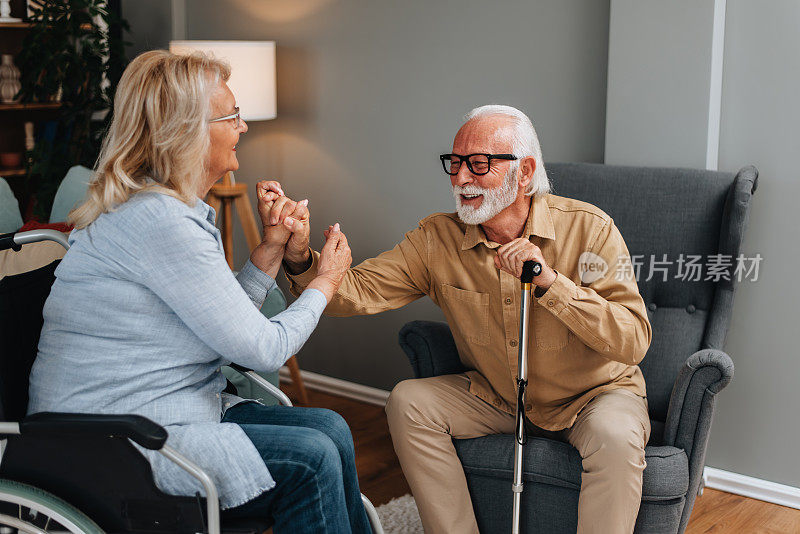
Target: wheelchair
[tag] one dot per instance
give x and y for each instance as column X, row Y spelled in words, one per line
column 80, row 473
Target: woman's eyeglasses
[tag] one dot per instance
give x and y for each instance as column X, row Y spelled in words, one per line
column 235, row 116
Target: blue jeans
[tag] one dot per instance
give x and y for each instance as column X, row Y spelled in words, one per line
column 309, row 452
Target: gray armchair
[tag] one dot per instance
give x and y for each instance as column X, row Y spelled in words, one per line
column 660, row 211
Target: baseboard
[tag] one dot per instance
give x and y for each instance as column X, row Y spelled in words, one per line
column 337, row 386
column 718, row 479
column 756, row 488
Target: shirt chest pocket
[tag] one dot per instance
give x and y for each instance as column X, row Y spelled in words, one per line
column 551, row 334
column 468, row 311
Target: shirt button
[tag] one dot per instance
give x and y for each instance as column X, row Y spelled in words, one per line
column 513, row 342
column 691, row 308
column 508, row 300
column 497, row 402
column 217, row 395
column 551, row 303
column 528, row 407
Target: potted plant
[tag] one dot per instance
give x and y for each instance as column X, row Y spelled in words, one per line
column 74, row 54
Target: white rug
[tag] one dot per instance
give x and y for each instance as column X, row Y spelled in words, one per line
column 400, row 516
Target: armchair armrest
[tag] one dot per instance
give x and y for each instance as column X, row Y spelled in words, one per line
column 137, row 428
column 691, row 404
column 691, row 408
column 430, row 348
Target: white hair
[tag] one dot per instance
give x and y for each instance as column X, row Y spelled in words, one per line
column 524, row 142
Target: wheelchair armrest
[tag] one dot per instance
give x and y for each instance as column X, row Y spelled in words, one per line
column 138, row 428
column 262, row 382
column 430, row 348
column 239, row 368
column 691, row 404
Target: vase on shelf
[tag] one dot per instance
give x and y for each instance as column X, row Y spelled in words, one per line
column 9, row 80
column 30, row 141
column 58, row 94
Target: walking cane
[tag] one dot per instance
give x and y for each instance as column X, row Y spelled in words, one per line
column 530, row 269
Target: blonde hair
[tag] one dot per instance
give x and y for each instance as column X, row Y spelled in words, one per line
column 158, row 138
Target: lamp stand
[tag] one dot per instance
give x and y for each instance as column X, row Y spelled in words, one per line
column 223, row 196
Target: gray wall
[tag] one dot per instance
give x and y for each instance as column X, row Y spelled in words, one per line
column 150, row 22
column 755, row 431
column 369, row 93
column 658, row 85
column 658, row 100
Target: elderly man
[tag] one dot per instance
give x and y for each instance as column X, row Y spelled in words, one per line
column 589, row 328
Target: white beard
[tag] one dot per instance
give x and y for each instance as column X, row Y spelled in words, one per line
column 494, row 200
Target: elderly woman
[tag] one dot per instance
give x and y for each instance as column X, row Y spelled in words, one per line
column 145, row 310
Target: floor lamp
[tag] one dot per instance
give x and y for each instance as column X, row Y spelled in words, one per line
column 253, row 83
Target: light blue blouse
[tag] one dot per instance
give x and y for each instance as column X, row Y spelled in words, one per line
column 143, row 313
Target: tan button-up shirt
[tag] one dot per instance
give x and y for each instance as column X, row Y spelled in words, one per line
column 585, row 337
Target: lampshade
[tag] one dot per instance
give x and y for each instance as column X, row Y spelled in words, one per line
column 252, row 72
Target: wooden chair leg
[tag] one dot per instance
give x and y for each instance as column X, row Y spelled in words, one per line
column 227, row 230
column 215, row 202
column 248, row 220
column 297, row 379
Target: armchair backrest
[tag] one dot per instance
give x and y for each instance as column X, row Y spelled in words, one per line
column 669, row 215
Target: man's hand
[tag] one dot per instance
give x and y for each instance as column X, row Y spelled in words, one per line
column 284, row 221
column 334, row 260
column 513, row 254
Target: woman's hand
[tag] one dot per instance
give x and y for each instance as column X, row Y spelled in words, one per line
column 267, row 191
column 271, row 201
column 268, row 255
column 284, row 221
column 334, row 260
column 513, row 254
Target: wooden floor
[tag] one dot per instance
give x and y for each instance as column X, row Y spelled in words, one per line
column 381, row 478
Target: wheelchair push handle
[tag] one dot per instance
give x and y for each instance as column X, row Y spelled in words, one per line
column 15, row 240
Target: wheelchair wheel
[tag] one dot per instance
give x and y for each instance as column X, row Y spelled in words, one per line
column 30, row 510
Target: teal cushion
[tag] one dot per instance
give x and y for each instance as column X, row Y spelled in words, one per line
column 70, row 193
column 10, row 218
column 273, row 304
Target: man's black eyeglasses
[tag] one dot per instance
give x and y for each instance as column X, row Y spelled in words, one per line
column 478, row 164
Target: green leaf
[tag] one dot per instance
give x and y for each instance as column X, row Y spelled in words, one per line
column 64, row 48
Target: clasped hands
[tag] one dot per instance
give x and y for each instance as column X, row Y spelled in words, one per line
column 284, row 222
column 286, row 228
column 287, row 223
